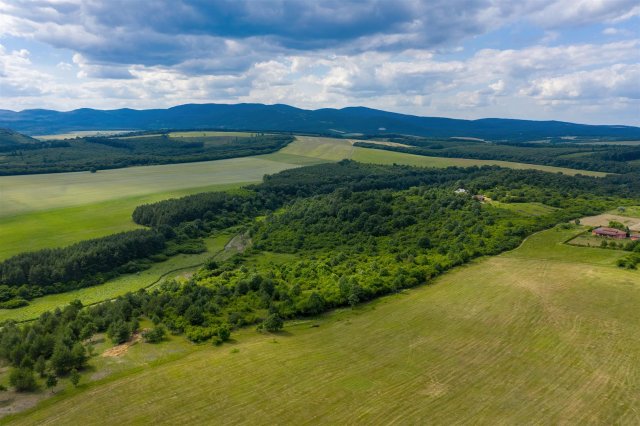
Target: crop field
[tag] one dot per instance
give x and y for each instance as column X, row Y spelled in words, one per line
column 543, row 334
column 195, row 134
column 328, row 149
column 367, row 155
column 64, row 226
column 117, row 286
column 43, row 192
column 80, row 134
column 631, row 142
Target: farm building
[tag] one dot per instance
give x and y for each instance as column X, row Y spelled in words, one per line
column 635, row 237
column 609, row 232
column 479, row 197
column 460, row 191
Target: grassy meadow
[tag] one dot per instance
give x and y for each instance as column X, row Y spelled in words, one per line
column 542, row 334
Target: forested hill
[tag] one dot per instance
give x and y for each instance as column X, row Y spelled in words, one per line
column 287, row 118
column 10, row 139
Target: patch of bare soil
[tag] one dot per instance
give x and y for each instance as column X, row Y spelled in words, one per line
column 12, row 402
column 124, row 347
column 604, row 219
column 239, row 243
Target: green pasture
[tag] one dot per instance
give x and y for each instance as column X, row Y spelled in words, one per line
column 118, row 286
column 545, row 334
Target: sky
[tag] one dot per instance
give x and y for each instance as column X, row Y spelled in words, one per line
column 570, row 60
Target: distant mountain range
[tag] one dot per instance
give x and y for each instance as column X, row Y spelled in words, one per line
column 290, row 119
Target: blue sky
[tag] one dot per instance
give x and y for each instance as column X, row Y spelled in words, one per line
column 573, row 60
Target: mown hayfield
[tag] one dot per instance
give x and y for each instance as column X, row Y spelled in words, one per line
column 118, row 286
column 319, row 148
column 367, row 155
column 545, row 334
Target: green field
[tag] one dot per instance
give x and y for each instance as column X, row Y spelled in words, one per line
column 65, row 226
column 529, row 209
column 22, row 194
column 629, row 211
column 328, row 149
column 367, row 155
column 543, row 334
column 208, row 134
column 43, row 211
column 118, row 286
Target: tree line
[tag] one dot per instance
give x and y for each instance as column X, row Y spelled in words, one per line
column 97, row 153
column 349, row 232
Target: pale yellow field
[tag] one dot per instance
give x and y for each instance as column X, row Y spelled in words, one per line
column 80, row 134
column 603, row 220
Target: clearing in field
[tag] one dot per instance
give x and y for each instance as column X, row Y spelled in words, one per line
column 543, row 334
column 527, row 209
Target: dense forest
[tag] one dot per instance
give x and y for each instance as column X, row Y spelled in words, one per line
column 321, row 237
column 602, row 158
column 95, row 153
column 178, row 224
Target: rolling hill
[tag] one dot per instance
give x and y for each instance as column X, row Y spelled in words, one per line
column 287, row 118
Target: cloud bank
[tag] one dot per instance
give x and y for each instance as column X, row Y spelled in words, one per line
column 532, row 59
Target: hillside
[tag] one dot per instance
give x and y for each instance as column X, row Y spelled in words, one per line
column 554, row 345
column 288, row 118
column 10, row 139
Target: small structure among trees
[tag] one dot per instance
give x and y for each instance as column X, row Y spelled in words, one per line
column 609, row 232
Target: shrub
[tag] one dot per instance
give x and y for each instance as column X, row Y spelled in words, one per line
column 154, row 335
column 23, row 380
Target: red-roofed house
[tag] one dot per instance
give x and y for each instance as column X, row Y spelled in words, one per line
column 609, row 232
